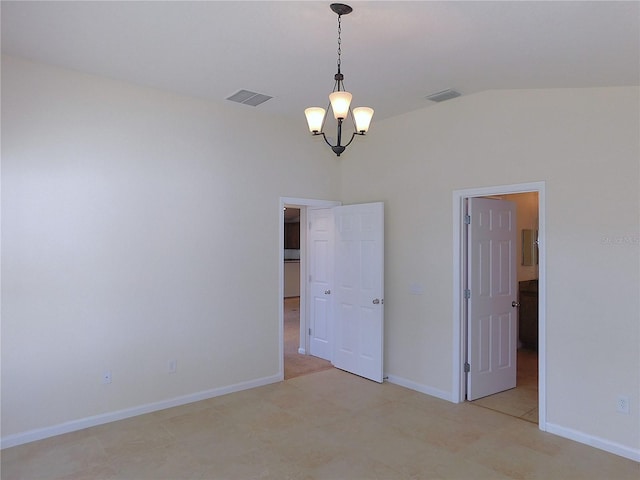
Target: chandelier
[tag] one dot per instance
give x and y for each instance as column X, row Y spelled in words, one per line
column 339, row 101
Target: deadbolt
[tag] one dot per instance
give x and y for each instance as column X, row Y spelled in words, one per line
column 327, row 292
column 376, row 301
column 515, row 304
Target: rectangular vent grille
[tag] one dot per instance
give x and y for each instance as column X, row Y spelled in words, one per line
column 443, row 95
column 247, row 97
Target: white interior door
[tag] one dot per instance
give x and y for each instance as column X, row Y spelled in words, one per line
column 320, row 241
column 359, row 290
column 492, row 292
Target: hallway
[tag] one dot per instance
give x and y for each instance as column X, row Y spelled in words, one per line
column 296, row 364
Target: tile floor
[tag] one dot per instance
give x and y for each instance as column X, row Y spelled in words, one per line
column 326, row 425
column 296, row 364
column 522, row 401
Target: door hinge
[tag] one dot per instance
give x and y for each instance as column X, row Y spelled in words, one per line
column 467, row 294
column 467, row 219
column 309, row 278
column 309, row 332
column 309, row 225
column 467, row 368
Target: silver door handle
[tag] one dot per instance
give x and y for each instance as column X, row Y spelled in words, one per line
column 515, row 304
column 376, row 301
column 327, row 292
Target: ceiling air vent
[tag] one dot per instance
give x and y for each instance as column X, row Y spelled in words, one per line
column 447, row 94
column 249, row 98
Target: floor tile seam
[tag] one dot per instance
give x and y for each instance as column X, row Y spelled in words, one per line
column 390, row 466
column 58, row 441
column 199, row 435
column 529, row 412
column 314, row 422
column 84, row 442
column 221, row 419
column 410, row 435
column 429, row 401
column 409, row 401
column 318, row 393
column 168, row 432
column 227, row 412
column 519, row 417
column 114, row 454
column 93, row 462
column 340, row 419
column 538, row 464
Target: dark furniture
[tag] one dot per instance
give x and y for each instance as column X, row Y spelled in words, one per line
column 292, row 236
column 528, row 313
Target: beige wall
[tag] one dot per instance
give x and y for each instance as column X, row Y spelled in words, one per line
column 119, row 252
column 120, row 249
column 585, row 144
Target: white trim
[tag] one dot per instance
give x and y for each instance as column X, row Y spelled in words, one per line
column 458, row 347
column 82, row 423
column 302, row 204
column 418, row 387
column 302, row 351
column 597, row 442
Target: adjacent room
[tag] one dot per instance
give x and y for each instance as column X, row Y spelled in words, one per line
column 197, row 282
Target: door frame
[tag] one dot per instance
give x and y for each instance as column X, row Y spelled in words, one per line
column 459, row 275
column 302, row 204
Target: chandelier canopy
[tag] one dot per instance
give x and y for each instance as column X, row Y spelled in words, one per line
column 339, row 101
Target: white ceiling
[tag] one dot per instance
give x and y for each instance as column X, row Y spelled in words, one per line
column 394, row 54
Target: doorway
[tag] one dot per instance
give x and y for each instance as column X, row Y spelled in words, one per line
column 460, row 198
column 351, row 327
column 297, row 359
column 297, row 362
column 294, row 309
column 519, row 396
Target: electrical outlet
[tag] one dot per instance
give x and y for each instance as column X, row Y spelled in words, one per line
column 106, row 377
column 172, row 366
column 622, row 404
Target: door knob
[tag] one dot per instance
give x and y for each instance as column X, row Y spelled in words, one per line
column 515, row 304
column 376, row 301
column 327, row 292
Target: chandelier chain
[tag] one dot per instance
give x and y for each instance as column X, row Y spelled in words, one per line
column 339, row 40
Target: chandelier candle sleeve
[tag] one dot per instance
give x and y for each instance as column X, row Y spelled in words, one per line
column 315, row 118
column 362, row 118
column 339, row 101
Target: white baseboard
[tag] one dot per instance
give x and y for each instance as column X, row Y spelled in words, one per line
column 82, row 423
column 576, row 436
column 302, row 351
column 418, row 387
column 596, row 442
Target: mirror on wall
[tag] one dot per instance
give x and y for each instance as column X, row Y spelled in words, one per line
column 529, row 247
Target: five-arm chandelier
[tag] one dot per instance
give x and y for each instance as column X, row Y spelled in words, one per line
column 339, row 101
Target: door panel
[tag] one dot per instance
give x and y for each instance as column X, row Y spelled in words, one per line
column 492, row 282
column 321, row 252
column 359, row 270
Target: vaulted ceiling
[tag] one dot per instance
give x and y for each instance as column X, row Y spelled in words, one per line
column 394, row 54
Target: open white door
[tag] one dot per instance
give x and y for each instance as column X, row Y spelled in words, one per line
column 492, row 292
column 320, row 241
column 359, row 290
